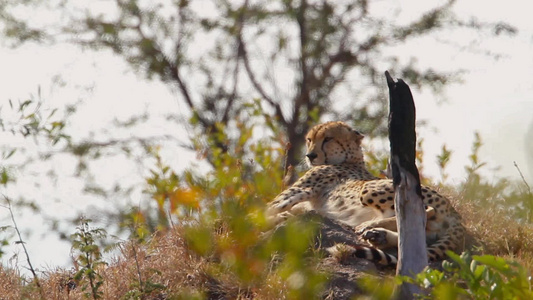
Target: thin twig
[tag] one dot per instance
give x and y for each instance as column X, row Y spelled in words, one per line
column 530, row 198
column 35, row 278
column 255, row 83
column 141, row 284
column 522, row 176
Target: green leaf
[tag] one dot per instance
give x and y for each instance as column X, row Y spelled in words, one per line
column 200, row 239
column 497, row 263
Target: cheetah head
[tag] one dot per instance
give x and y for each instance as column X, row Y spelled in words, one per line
column 333, row 143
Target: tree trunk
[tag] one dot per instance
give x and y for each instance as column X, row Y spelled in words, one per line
column 409, row 207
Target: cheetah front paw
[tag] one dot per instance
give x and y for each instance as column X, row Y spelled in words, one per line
column 365, row 226
column 279, row 218
column 377, row 237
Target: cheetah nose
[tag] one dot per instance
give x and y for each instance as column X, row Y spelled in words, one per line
column 311, row 156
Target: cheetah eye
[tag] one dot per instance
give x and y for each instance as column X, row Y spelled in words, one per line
column 308, row 140
column 327, row 139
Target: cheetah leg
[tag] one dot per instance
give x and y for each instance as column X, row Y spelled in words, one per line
column 445, row 219
column 287, row 200
column 280, row 217
column 388, row 223
column 383, row 238
column 443, row 223
column 452, row 239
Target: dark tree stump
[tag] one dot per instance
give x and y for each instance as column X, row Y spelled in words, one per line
column 410, row 211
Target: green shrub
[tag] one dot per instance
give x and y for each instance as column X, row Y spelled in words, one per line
column 475, row 277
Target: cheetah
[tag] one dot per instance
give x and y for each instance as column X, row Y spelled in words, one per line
column 339, row 186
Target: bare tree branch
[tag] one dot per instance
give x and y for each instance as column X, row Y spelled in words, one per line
column 251, row 76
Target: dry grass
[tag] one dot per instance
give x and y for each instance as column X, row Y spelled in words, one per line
column 165, row 268
column 495, row 233
column 10, row 283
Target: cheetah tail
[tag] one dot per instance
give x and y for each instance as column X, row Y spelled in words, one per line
column 342, row 251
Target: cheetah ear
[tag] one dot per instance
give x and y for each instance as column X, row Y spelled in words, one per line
column 358, row 136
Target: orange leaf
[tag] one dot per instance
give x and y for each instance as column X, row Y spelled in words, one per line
column 186, row 197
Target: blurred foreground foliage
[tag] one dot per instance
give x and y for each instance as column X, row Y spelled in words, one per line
column 462, row 276
column 221, row 213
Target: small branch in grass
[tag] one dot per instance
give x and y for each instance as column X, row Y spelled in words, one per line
column 530, row 212
column 522, row 176
column 21, row 242
column 141, row 284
